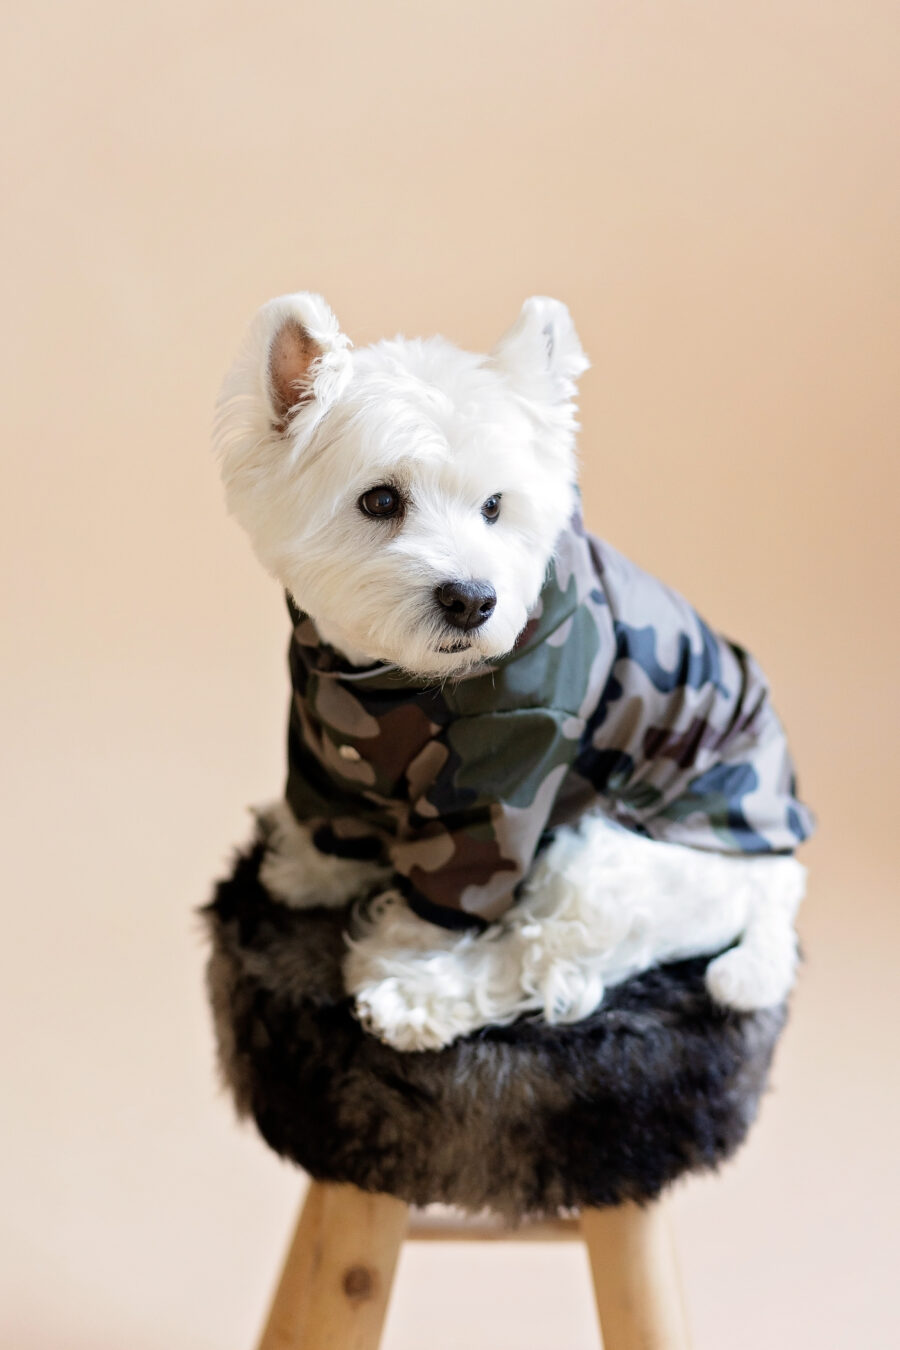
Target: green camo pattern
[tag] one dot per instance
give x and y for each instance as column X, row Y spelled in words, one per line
column 617, row 697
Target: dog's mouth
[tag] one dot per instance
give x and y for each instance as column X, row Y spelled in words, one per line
column 454, row 648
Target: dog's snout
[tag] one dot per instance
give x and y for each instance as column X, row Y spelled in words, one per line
column 465, row 604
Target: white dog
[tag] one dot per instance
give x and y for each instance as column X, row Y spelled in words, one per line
column 540, row 761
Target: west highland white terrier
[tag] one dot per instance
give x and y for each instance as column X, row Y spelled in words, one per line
column 539, row 764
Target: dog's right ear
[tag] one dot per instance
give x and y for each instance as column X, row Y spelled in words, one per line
column 291, row 368
column 305, row 356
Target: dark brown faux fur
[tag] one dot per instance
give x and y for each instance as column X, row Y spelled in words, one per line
column 523, row 1120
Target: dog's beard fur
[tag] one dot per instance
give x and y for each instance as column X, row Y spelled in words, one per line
column 369, row 584
column 448, row 430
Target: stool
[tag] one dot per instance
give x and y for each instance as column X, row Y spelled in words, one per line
column 529, row 1124
column 336, row 1283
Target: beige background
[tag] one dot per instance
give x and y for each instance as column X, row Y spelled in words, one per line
column 713, row 189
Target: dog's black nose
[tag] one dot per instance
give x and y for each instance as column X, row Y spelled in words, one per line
column 465, row 604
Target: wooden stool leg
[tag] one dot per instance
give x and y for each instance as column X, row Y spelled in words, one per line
column 336, row 1282
column 284, row 1328
column 635, row 1278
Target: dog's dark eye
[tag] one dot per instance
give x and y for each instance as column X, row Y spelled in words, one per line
column 491, row 508
column 382, row 502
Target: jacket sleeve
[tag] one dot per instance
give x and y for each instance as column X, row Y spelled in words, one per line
column 481, row 797
column 685, row 745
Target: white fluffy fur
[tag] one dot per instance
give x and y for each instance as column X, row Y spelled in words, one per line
column 452, row 429
column 295, row 872
column 601, row 904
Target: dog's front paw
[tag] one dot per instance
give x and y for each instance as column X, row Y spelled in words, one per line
column 746, row 979
column 408, row 1019
column 568, row 993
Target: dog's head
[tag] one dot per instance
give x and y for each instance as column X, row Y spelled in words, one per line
column 408, row 495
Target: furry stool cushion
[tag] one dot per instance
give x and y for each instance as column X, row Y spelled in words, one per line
column 523, row 1120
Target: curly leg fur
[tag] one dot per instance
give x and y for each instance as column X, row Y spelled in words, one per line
column 600, row 905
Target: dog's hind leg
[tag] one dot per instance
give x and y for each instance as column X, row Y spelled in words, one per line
column 295, row 872
column 759, row 972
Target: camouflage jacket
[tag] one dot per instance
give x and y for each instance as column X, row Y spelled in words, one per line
column 616, row 696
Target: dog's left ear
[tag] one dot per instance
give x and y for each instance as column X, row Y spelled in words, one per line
column 541, row 353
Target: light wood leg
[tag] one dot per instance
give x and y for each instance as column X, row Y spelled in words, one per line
column 336, row 1282
column 635, row 1276
column 284, row 1328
